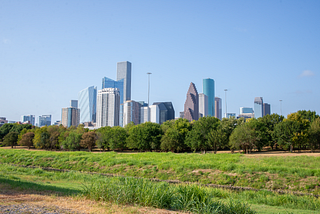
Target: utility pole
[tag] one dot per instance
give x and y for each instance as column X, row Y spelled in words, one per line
column 225, row 100
column 148, row 96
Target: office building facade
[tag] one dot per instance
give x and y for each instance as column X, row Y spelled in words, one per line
column 191, row 106
column 203, row 105
column 154, row 114
column 230, row 115
column 124, row 73
column 87, row 103
column 28, row 118
column 166, row 111
column 44, row 120
column 246, row 110
column 131, row 112
column 144, row 114
column 258, row 107
column 266, row 109
column 218, row 108
column 108, row 107
column 70, row 117
column 74, row 103
column 208, row 90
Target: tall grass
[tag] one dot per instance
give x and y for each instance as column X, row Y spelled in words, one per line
column 143, row 192
column 191, row 198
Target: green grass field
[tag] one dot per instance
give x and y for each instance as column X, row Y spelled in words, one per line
column 298, row 173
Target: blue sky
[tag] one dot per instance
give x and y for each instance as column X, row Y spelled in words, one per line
column 50, row 50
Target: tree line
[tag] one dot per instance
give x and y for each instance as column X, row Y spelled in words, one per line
column 299, row 131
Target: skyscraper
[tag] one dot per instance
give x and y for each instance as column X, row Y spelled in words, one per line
column 87, row 104
column 30, row 118
column 108, row 107
column 266, row 109
column 203, row 105
column 44, row 120
column 218, row 108
column 144, row 114
column 131, row 112
column 166, row 111
column 70, row 117
column 258, row 107
column 191, row 106
column 124, row 72
column 208, row 89
column 74, row 103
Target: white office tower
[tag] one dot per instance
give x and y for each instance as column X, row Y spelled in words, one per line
column 108, row 107
column 144, row 114
column 131, row 112
column 203, row 105
column 154, row 114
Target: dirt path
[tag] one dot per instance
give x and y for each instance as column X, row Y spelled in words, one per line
column 28, row 201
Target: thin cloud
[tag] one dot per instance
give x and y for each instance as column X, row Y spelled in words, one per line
column 306, row 73
column 6, row 41
column 298, row 92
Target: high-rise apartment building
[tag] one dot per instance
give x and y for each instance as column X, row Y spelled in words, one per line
column 28, row 118
column 218, row 108
column 87, row 104
column 131, row 112
column 208, row 90
column 70, row 117
column 108, row 107
column 191, row 106
column 44, row 120
column 266, row 109
column 203, row 105
column 258, row 107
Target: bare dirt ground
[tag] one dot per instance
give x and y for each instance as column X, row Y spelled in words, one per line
column 28, row 201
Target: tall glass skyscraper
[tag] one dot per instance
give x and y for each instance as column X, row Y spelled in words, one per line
column 87, row 104
column 208, row 89
column 124, row 72
column 123, row 84
column 258, row 107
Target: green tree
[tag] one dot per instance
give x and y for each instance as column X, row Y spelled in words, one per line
column 244, row 137
column 145, row 136
column 45, row 140
column 27, row 139
column 175, row 132
column 217, row 137
column 198, row 137
column 10, row 139
column 309, row 115
column 103, row 137
column 72, row 141
column 118, row 138
column 314, row 134
column 38, row 144
column 54, row 133
column 88, row 140
column 270, row 121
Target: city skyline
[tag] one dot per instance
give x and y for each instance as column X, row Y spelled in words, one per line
column 253, row 48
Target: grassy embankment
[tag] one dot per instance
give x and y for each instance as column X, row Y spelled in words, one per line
column 207, row 168
column 300, row 173
column 161, row 195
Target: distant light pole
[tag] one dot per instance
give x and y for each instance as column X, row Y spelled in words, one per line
column 280, row 107
column 225, row 100
column 148, row 96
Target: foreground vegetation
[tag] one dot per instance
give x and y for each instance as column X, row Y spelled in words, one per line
column 142, row 192
column 300, row 173
column 299, row 131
